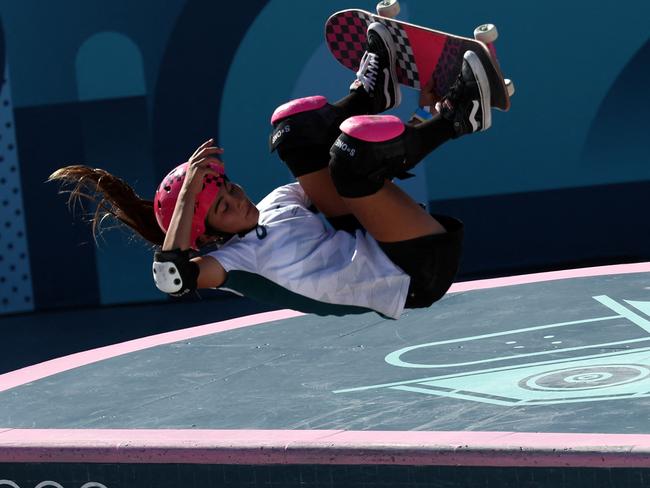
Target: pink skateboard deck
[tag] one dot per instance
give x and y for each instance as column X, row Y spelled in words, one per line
column 423, row 55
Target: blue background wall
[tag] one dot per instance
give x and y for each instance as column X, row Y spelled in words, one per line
column 562, row 179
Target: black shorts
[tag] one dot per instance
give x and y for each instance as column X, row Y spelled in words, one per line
column 431, row 261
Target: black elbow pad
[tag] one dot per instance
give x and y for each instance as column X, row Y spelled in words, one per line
column 174, row 273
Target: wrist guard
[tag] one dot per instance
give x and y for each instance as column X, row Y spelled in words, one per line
column 174, row 273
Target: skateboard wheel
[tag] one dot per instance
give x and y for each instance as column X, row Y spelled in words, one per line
column 510, row 86
column 486, row 33
column 388, row 8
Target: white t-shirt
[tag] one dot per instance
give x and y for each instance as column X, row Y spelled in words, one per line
column 300, row 253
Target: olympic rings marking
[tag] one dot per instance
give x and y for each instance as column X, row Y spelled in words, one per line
column 589, row 377
column 53, row 484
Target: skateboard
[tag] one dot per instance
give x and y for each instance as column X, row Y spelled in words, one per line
column 426, row 58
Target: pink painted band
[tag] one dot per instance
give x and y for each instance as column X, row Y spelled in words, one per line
column 415, row 448
column 373, row 128
column 614, row 269
column 297, row 106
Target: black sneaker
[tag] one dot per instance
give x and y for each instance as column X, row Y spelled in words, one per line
column 467, row 105
column 376, row 75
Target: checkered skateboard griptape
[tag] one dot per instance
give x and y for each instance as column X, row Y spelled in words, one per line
column 407, row 69
column 449, row 65
column 346, row 36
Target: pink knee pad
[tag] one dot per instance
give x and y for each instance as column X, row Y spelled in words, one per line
column 373, row 128
column 369, row 150
column 303, row 131
column 298, row 106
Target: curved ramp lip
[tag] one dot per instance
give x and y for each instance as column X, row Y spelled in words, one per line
column 66, row 363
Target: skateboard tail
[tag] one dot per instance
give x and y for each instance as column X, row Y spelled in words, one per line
column 345, row 33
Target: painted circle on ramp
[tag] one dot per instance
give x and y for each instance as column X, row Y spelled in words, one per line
column 586, row 377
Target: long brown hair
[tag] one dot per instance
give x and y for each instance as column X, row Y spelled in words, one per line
column 112, row 196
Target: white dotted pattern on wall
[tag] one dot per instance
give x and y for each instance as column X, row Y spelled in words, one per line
column 16, row 293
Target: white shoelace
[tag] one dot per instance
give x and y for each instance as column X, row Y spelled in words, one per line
column 368, row 69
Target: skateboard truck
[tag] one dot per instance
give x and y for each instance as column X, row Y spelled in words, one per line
column 487, row 34
column 388, row 8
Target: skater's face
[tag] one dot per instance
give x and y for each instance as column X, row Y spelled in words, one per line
column 232, row 212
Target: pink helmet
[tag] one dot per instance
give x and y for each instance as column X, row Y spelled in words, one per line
column 167, row 194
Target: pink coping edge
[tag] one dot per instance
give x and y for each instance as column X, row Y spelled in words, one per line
column 415, row 448
column 550, row 276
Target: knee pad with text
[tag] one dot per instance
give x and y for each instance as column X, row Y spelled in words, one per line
column 303, row 131
column 369, row 150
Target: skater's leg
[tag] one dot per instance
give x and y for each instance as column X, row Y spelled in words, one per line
column 305, row 129
column 371, row 150
column 303, row 132
column 390, row 215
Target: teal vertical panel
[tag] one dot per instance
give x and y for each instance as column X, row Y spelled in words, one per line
column 116, row 138
column 16, row 294
column 295, row 63
column 109, row 65
column 556, row 62
column 49, row 34
column 618, row 137
column 266, row 68
column 116, row 135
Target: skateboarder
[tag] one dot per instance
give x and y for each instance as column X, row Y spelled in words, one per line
column 382, row 251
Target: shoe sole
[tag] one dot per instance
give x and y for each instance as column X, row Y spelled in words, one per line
column 483, row 87
column 389, row 43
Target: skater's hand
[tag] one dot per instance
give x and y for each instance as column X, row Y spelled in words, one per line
column 202, row 163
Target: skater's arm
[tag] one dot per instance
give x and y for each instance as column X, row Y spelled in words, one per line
column 205, row 272
column 211, row 273
column 180, row 226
